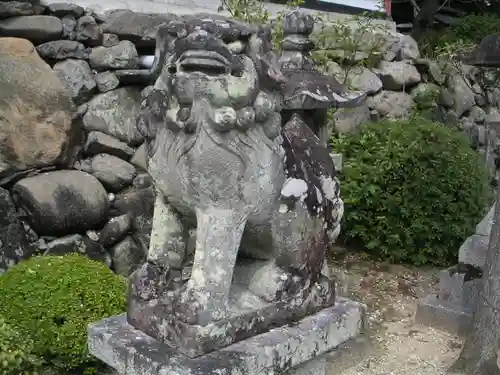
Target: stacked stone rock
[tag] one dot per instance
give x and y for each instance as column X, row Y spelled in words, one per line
column 403, row 80
column 72, row 173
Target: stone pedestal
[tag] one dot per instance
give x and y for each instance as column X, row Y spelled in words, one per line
column 298, row 349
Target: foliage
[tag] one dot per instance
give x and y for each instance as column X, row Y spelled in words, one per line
column 350, row 45
column 330, row 37
column 469, row 30
column 16, row 352
column 51, row 300
column 254, row 12
column 413, row 190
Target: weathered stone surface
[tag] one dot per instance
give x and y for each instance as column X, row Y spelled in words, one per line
column 115, row 113
column 122, row 56
column 127, row 256
column 78, row 78
column 462, row 94
column 473, row 250
column 37, row 29
column 139, row 159
column 347, row 120
column 100, row 143
column 110, row 40
column 62, row 202
column 477, row 115
column 80, row 244
column 115, row 230
column 114, row 173
column 68, row 27
column 139, row 28
column 14, row 245
column 398, row 75
column 365, row 80
column 64, row 9
column 409, row 48
column 278, row 351
column 107, row 81
column 484, row 227
column 425, row 95
column 88, row 31
column 17, row 8
column 62, row 49
column 137, row 200
column 35, row 110
column 358, row 78
column 393, row 104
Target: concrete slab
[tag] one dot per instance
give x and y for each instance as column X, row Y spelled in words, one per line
column 299, row 349
column 440, row 314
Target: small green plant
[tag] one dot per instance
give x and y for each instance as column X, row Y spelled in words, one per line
column 255, row 12
column 358, row 35
column 413, row 190
column 16, row 352
column 50, row 300
column 357, row 41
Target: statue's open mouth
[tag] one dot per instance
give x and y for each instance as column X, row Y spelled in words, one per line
column 210, row 63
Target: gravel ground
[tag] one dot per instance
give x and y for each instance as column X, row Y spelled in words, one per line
column 396, row 345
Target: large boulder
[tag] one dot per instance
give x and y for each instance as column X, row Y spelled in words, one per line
column 13, row 241
column 35, row 110
column 62, row 202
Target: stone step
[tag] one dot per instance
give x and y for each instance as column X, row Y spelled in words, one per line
column 440, row 314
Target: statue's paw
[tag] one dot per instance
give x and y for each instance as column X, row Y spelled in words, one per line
column 196, row 308
column 271, row 283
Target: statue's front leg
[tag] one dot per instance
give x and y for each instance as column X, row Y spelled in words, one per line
column 166, row 253
column 218, row 237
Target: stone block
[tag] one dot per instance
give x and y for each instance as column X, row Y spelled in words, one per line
column 458, row 288
column 484, row 227
column 473, row 250
column 441, row 314
column 298, row 349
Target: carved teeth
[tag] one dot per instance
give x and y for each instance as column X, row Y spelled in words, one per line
column 208, row 62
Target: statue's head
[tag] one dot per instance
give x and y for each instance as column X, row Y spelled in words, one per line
column 220, row 60
column 218, row 73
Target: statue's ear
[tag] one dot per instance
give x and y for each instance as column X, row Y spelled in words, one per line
column 153, row 110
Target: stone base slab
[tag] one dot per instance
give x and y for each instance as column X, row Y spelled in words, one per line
column 441, row 314
column 295, row 350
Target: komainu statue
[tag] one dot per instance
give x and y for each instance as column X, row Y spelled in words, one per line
column 246, row 205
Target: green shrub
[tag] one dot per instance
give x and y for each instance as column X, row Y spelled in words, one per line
column 15, row 352
column 413, row 190
column 52, row 299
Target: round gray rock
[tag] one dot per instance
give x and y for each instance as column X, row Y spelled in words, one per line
column 114, row 173
column 122, row 56
column 62, row 202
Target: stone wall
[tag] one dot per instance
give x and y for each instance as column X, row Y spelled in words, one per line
column 403, row 82
column 72, row 168
column 72, row 172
